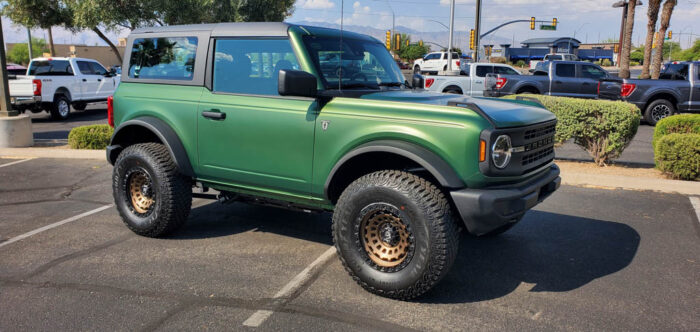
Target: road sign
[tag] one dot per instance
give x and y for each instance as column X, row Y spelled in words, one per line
column 548, row 27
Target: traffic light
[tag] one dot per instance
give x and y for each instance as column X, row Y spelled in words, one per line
column 670, row 34
column 397, row 45
column 407, row 42
column 388, row 39
column 472, row 39
column 656, row 38
column 420, row 43
column 532, row 23
column 617, row 48
column 554, row 22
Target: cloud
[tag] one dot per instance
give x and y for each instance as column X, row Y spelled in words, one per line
column 316, row 4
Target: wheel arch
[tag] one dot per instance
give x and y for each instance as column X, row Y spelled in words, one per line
column 63, row 91
column 149, row 129
column 528, row 88
column 383, row 154
column 453, row 87
column 667, row 95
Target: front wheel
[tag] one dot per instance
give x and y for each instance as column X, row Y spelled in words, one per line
column 152, row 197
column 395, row 233
column 657, row 110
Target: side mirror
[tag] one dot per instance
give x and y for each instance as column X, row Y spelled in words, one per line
column 297, row 83
column 418, row 81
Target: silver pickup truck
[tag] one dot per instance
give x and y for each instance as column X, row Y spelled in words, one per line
column 471, row 80
column 676, row 90
column 555, row 78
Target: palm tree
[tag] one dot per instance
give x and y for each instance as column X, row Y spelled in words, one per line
column 666, row 12
column 627, row 40
column 653, row 15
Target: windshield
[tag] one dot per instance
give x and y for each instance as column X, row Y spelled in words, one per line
column 355, row 64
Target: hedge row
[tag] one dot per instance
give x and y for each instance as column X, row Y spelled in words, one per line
column 94, row 137
column 603, row 128
column 677, row 146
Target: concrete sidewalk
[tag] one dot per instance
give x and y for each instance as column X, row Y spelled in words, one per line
column 570, row 174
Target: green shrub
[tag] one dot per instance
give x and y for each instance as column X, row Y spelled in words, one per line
column 678, row 155
column 680, row 124
column 634, row 63
column 601, row 127
column 520, row 63
column 606, row 63
column 94, row 137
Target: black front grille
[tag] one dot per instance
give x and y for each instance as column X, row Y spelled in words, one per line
column 539, row 132
column 537, row 156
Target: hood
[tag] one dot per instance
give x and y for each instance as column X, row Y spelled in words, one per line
column 503, row 113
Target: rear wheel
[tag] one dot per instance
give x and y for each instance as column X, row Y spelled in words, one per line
column 152, row 197
column 453, row 90
column 395, row 233
column 657, row 110
column 60, row 109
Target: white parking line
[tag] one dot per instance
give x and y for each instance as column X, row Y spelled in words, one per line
column 695, row 202
column 54, row 225
column 288, row 290
column 15, row 162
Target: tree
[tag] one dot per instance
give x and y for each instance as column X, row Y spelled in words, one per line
column 43, row 14
column 627, row 40
column 637, row 54
column 214, row 11
column 692, row 53
column 20, row 52
column 653, row 16
column 666, row 13
column 672, row 50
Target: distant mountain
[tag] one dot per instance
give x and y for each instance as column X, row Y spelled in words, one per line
column 437, row 37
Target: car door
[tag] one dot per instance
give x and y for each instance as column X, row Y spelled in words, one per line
column 564, row 82
column 431, row 62
column 106, row 84
column 89, row 81
column 249, row 135
column 479, row 77
column 589, row 76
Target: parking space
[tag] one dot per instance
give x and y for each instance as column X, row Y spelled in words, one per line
column 585, row 259
column 48, row 131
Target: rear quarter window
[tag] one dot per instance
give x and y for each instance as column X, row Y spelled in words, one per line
column 50, row 68
column 163, row 58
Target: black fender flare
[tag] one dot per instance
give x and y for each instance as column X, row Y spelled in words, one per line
column 434, row 164
column 163, row 131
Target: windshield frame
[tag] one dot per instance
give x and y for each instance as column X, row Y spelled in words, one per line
column 371, row 48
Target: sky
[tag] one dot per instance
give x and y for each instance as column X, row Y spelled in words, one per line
column 587, row 20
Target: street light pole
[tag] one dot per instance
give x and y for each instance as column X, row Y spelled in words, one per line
column 393, row 24
column 29, row 43
column 449, row 43
column 477, row 30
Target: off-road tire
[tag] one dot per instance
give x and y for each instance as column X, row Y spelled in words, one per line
column 426, row 212
column 58, row 108
column 172, row 192
column 79, row 106
column 659, row 105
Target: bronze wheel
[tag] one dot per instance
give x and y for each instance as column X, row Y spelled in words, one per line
column 385, row 237
column 141, row 192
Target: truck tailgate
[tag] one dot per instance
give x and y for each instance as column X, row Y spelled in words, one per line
column 610, row 88
column 21, row 87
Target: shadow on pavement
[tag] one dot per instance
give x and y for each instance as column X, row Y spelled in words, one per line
column 555, row 252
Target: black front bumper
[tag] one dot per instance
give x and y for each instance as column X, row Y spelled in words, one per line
column 487, row 209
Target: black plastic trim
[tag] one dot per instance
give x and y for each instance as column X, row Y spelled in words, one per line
column 166, row 134
column 474, row 107
column 438, row 167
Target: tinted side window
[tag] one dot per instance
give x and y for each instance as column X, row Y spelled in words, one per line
column 481, row 71
column 251, row 66
column 504, row 70
column 51, row 68
column 97, row 68
column 166, row 58
column 593, row 72
column 566, row 70
column 433, row 56
column 84, row 68
column 466, row 69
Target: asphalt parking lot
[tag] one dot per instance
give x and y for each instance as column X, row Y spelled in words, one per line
column 586, row 259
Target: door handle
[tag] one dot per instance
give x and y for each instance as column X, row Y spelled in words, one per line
column 84, row 79
column 557, row 82
column 99, row 80
column 214, row 114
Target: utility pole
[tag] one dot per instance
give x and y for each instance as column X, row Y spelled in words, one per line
column 449, row 43
column 29, row 43
column 477, row 30
column 5, row 107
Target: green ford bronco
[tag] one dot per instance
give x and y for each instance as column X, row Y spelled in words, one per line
column 322, row 120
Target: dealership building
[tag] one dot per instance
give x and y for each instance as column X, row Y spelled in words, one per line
column 537, row 48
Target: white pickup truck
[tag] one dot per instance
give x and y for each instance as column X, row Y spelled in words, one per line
column 470, row 82
column 554, row 57
column 54, row 84
column 435, row 62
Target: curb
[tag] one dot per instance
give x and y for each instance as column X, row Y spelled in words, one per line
column 56, row 153
column 572, row 178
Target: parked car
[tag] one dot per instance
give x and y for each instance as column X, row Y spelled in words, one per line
column 471, row 80
column 15, row 69
column 556, row 78
column 676, row 90
column 434, row 62
column 54, row 84
column 554, row 57
column 402, row 169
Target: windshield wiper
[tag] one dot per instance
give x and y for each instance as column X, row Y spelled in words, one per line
column 390, row 84
column 355, row 86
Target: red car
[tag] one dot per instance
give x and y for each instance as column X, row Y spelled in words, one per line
column 15, row 69
column 402, row 65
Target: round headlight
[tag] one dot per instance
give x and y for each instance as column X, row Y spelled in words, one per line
column 500, row 151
